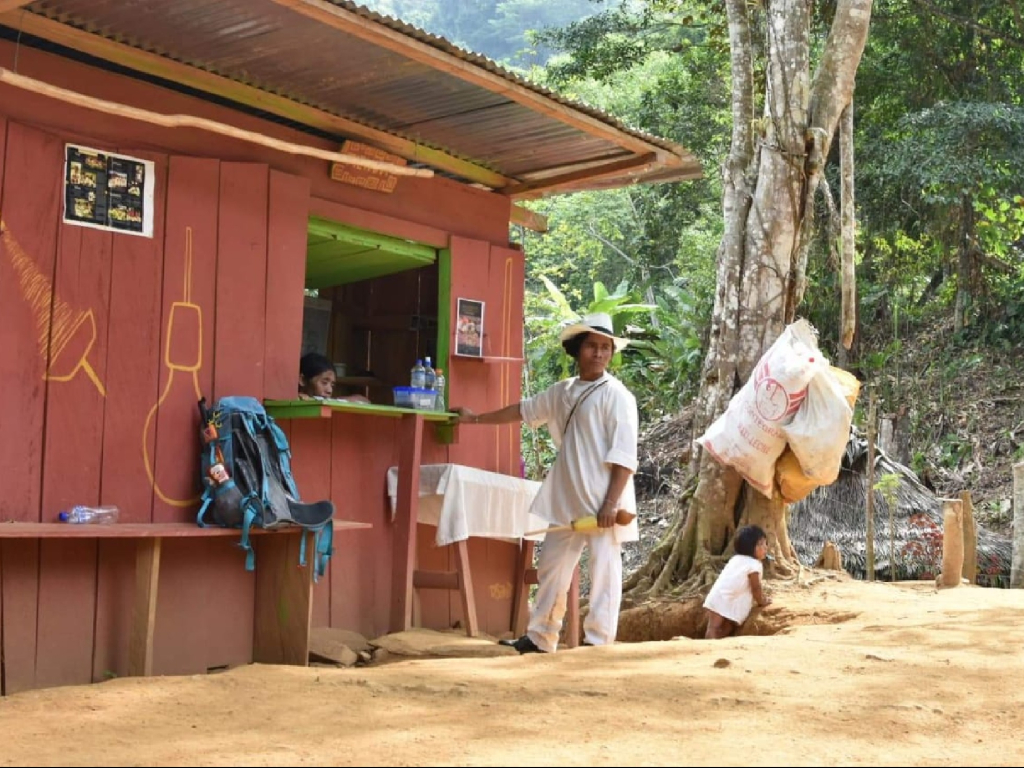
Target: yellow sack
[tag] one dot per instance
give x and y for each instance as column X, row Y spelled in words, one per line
column 848, row 383
column 793, row 484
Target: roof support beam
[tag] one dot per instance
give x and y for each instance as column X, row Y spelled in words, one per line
column 12, row 5
column 535, row 222
column 541, row 187
column 385, row 37
column 168, row 69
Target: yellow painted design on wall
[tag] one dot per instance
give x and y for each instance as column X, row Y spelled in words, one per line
column 183, row 364
column 500, row 590
column 65, row 335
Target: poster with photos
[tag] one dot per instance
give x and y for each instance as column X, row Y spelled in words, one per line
column 108, row 191
column 469, row 328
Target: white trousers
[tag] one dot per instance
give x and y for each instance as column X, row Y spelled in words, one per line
column 558, row 557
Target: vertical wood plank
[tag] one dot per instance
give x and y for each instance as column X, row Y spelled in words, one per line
column 310, row 441
column 31, row 198
column 133, row 364
column 470, row 382
column 186, row 328
column 284, row 601
column 72, row 453
column 204, row 617
column 147, row 579
column 65, row 612
column 76, row 400
column 508, row 270
column 572, row 621
column 115, row 596
column 241, row 281
column 28, row 242
column 520, row 588
column 20, row 583
column 286, row 278
column 362, row 569
column 410, row 437
column 466, row 591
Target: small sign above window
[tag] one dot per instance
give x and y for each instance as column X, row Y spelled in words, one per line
column 108, row 191
column 367, row 178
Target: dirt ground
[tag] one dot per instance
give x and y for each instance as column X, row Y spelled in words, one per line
column 859, row 674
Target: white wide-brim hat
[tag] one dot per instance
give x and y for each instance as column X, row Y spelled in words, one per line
column 599, row 323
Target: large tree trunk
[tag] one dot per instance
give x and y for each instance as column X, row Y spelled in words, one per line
column 770, row 178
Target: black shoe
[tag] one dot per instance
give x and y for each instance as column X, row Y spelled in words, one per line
column 523, row 644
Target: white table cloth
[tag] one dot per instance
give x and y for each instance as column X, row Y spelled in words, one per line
column 464, row 501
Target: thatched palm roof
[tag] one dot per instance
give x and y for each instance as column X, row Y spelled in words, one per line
column 836, row 513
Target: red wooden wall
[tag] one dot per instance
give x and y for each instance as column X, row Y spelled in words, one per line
column 107, row 340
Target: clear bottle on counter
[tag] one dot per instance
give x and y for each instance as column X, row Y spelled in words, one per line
column 429, row 374
column 439, row 383
column 418, row 380
column 94, row 515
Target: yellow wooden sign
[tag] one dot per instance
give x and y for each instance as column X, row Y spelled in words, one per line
column 367, row 178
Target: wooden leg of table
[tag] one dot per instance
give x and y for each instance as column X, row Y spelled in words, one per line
column 521, row 588
column 466, row 588
column 147, row 578
column 284, row 599
column 406, row 511
column 572, row 629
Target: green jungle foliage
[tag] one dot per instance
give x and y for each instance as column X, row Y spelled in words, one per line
column 939, row 134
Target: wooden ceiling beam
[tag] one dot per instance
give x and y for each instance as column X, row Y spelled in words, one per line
column 216, row 85
column 12, row 5
column 536, row 222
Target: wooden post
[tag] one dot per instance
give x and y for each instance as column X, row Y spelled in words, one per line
column 970, row 571
column 869, row 543
column 572, row 622
column 284, row 598
column 1017, row 564
column 410, row 438
column 952, row 543
column 147, row 579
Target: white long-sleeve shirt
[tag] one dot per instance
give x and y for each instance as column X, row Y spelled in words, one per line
column 603, row 432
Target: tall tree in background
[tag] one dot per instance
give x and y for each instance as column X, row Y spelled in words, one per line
column 771, row 175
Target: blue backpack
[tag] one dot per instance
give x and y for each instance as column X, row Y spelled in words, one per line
column 247, row 479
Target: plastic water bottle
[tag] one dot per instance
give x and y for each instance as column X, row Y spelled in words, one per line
column 93, row 515
column 439, row 383
column 418, row 378
column 429, row 375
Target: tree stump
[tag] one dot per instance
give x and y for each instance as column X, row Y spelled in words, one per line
column 830, row 559
column 952, row 543
column 970, row 571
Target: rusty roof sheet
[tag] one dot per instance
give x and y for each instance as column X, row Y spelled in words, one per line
column 474, row 119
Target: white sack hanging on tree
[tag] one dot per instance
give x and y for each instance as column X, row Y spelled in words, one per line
column 749, row 435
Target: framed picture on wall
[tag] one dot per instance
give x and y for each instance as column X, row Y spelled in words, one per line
column 108, row 191
column 469, row 328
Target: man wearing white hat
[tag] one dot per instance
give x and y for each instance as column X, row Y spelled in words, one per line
column 593, row 422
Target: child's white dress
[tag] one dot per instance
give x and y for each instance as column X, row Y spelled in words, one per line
column 731, row 596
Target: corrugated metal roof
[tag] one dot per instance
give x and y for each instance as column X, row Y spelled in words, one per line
column 444, row 107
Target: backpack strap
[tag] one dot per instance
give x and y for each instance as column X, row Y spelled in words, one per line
column 323, row 548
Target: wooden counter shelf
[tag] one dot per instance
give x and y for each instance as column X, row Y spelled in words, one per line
column 444, row 422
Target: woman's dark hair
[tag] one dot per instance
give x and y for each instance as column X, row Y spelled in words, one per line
column 747, row 538
column 313, row 364
column 572, row 345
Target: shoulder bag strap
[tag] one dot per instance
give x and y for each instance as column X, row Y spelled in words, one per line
column 579, row 400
